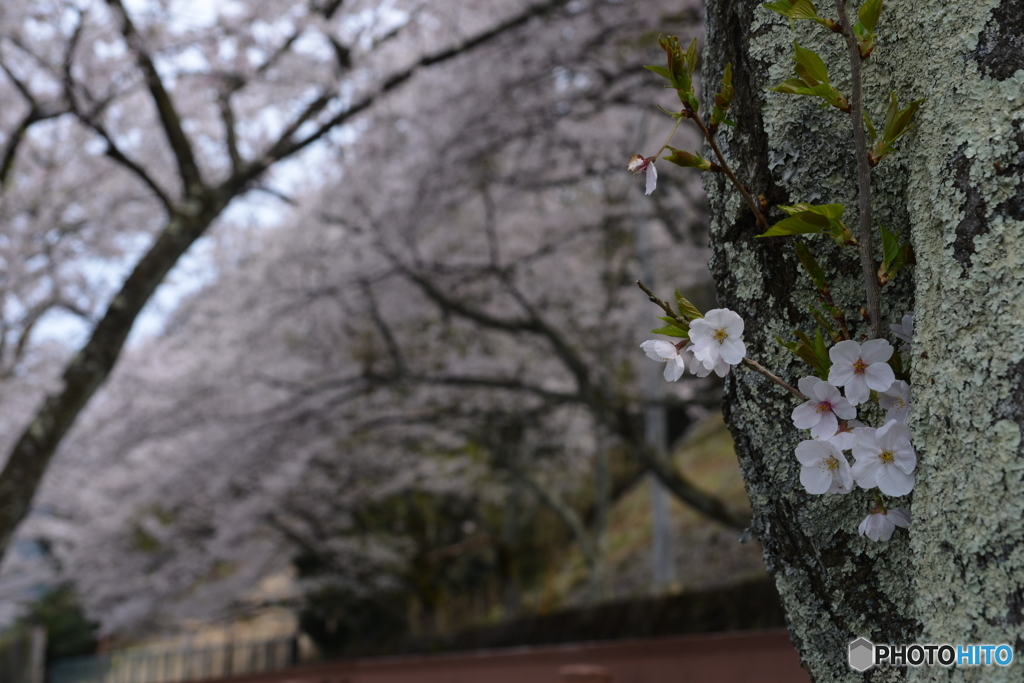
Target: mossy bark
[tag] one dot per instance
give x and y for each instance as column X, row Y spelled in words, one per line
column 955, row 188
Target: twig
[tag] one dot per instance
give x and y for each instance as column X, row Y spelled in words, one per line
column 709, row 136
column 752, row 364
column 757, row 367
column 867, row 261
column 664, row 306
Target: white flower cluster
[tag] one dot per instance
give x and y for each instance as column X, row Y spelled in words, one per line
column 884, row 457
column 715, row 344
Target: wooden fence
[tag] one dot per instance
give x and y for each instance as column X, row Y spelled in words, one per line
column 172, row 666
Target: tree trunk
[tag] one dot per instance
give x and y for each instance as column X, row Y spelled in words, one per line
column 956, row 189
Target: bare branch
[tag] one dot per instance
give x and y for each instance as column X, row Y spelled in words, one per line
column 187, row 168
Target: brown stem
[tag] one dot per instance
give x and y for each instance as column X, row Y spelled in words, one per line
column 757, row 367
column 751, row 202
column 752, row 364
column 664, row 306
column 867, row 261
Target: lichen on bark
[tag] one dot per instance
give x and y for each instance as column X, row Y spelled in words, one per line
column 956, row 188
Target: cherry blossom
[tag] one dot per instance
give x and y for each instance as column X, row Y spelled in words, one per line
column 820, row 414
column 717, row 338
column 861, row 368
column 825, row 469
column 885, row 459
column 896, row 401
column 905, row 329
column 847, row 434
column 638, row 165
column 668, row 353
column 879, row 525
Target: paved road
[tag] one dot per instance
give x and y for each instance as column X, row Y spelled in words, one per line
column 744, row 657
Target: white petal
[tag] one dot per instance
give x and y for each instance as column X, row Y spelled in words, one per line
column 652, row 178
column 674, row 370
column 843, row 440
column 733, row 350
column 806, row 385
column 893, row 482
column 899, row 516
column 657, row 349
column 848, row 350
column 843, row 408
column 841, row 373
column 722, row 368
column 716, row 318
column 879, row 376
column 857, row 390
column 806, row 415
column 864, row 472
column 815, row 479
column 876, row 351
column 809, row 452
column 826, row 427
column 877, row 527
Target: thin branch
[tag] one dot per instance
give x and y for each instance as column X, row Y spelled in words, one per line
column 867, row 259
column 285, row 146
column 747, row 197
column 757, row 367
column 171, row 122
column 752, row 364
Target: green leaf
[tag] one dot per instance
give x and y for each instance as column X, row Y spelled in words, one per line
column 871, row 126
column 869, row 13
column 660, row 70
column 723, row 100
column 820, row 349
column 672, row 322
column 890, row 247
column 670, row 331
column 804, row 350
column 686, row 309
column 811, row 266
column 806, row 219
column 783, row 7
column 687, row 160
column 897, row 122
column 809, row 66
column 804, row 9
column 728, row 122
column 820, row 318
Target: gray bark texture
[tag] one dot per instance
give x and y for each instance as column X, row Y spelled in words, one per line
column 955, row 187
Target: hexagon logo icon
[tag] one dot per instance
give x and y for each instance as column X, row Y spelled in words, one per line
column 862, row 654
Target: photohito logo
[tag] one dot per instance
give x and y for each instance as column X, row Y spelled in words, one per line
column 863, row 654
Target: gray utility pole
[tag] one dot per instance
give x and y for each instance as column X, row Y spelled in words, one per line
column 655, row 427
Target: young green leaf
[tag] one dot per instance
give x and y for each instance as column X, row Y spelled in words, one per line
column 686, row 309
column 820, row 318
column 897, row 122
column 660, row 70
column 809, row 66
column 671, row 331
column 811, row 266
column 813, row 79
column 890, row 247
column 800, row 9
column 806, row 219
column 688, row 160
column 869, row 13
column 723, row 100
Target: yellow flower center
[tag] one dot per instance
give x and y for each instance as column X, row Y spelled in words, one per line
column 823, row 407
column 720, row 335
column 887, row 456
column 829, row 464
column 859, row 367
